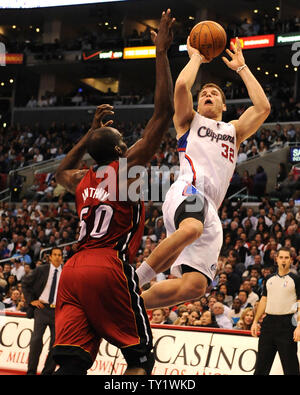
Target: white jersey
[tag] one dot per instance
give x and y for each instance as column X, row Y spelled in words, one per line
column 208, row 154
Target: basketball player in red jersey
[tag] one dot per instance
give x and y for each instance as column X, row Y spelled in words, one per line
column 98, row 295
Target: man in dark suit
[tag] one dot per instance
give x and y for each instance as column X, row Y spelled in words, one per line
column 40, row 289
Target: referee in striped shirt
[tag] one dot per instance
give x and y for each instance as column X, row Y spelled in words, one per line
column 280, row 329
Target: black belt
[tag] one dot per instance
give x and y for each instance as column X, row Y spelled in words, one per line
column 50, row 306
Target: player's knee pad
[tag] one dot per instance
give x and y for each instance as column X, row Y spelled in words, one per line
column 194, row 206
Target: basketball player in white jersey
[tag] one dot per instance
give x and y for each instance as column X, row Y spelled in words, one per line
column 208, row 151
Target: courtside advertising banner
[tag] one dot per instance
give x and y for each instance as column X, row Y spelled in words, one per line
column 178, row 351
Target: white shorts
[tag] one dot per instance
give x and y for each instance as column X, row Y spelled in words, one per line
column 203, row 253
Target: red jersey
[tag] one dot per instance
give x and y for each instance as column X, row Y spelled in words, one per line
column 104, row 220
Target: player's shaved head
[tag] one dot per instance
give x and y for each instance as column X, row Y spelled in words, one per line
column 105, row 145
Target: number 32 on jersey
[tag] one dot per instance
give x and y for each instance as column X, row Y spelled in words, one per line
column 228, row 152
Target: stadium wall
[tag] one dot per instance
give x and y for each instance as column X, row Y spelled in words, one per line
column 178, row 350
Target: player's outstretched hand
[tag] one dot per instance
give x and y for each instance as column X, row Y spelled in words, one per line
column 102, row 111
column 192, row 51
column 164, row 37
column 237, row 58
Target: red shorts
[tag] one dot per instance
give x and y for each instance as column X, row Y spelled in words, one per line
column 98, row 297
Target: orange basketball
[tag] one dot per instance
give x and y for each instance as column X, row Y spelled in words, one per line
column 209, row 38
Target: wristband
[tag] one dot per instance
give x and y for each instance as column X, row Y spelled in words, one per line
column 240, row 68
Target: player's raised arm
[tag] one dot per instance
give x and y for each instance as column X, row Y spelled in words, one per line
column 68, row 173
column 254, row 116
column 183, row 99
column 143, row 150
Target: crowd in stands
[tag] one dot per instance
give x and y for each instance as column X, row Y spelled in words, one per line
column 21, row 146
column 87, row 98
column 110, row 34
column 45, row 217
column 284, row 106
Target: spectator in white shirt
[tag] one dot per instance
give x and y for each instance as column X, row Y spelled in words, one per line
column 17, row 269
column 242, row 156
column 221, row 318
column 251, row 217
column 252, row 296
column 253, row 258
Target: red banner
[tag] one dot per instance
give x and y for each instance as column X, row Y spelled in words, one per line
column 14, row 58
column 267, row 40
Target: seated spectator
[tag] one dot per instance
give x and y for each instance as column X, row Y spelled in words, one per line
column 262, row 149
column 243, row 296
column 158, row 316
column 180, row 310
column 242, row 156
column 32, row 102
column 12, row 283
column 17, row 268
column 171, row 316
column 253, row 152
column 255, row 285
column 6, row 270
column 21, row 306
column 236, row 311
column 207, row 319
column 193, row 317
column 4, row 250
column 251, row 217
column 12, row 301
column 3, row 283
column 23, row 255
column 221, row 318
column 201, row 304
column 246, row 320
column 252, row 296
column 182, row 319
column 227, row 300
column 240, row 250
column 254, row 258
column 233, row 279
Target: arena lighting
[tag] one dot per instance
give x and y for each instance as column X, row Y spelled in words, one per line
column 267, row 40
column 295, row 154
column 14, row 58
column 287, row 38
column 182, row 47
column 139, row 52
column 48, row 3
column 87, row 56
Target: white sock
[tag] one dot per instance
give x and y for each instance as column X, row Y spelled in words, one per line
column 145, row 273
